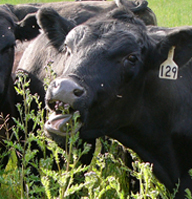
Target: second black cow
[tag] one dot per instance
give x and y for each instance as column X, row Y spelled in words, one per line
column 11, row 30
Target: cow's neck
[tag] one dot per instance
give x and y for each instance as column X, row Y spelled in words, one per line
column 154, row 149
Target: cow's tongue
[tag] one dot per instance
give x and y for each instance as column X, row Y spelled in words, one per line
column 57, row 124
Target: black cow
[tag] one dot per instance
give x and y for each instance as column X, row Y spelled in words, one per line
column 10, row 31
column 34, row 63
column 76, row 13
column 25, row 22
column 112, row 75
column 81, row 11
column 26, row 28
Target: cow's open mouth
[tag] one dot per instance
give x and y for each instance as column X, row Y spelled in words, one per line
column 60, row 122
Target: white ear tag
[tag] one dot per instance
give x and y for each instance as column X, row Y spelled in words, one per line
column 169, row 69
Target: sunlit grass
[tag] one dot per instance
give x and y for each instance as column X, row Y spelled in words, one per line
column 172, row 13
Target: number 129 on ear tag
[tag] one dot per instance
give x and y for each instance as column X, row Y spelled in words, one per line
column 169, row 69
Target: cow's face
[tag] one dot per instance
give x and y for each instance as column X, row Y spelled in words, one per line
column 109, row 66
column 103, row 61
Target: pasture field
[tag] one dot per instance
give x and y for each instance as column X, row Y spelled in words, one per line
column 172, row 13
column 106, row 176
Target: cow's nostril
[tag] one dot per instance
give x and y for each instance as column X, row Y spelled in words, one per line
column 78, row 92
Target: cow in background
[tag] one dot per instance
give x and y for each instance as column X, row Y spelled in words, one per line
column 81, row 11
column 10, row 31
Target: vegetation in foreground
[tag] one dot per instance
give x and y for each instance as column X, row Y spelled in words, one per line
column 106, row 177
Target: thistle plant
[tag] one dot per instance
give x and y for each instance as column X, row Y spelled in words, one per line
column 106, row 177
column 50, row 74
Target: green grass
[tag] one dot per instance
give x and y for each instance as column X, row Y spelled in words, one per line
column 172, row 13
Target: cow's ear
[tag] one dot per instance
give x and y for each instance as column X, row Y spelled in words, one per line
column 28, row 28
column 181, row 39
column 55, row 26
column 127, row 16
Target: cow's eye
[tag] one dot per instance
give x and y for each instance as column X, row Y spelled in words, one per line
column 129, row 60
column 132, row 58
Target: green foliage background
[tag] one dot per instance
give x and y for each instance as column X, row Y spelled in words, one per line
column 172, row 13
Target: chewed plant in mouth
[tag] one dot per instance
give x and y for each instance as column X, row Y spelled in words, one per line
column 64, row 121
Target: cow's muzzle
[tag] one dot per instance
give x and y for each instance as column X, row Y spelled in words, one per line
column 61, row 96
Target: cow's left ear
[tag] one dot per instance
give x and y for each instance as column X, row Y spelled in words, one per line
column 181, row 39
column 55, row 26
column 28, row 28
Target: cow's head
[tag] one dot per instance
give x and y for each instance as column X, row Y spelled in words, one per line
column 10, row 31
column 108, row 60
